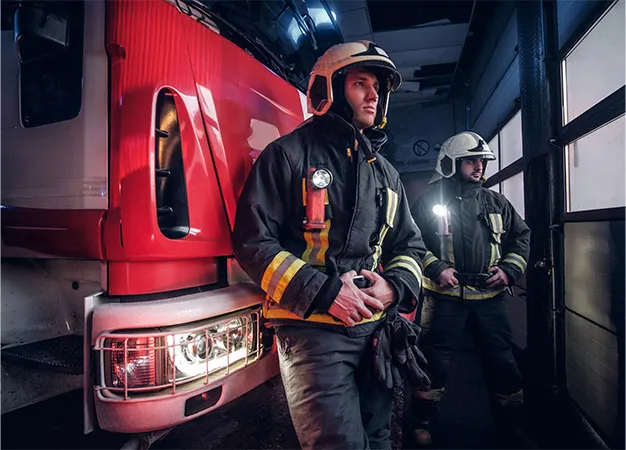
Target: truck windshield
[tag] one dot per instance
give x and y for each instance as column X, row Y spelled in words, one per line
column 286, row 35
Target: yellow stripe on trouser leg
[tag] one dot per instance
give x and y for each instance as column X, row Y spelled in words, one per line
column 434, row 395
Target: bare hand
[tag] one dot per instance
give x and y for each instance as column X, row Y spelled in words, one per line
column 499, row 277
column 379, row 288
column 447, row 278
column 352, row 304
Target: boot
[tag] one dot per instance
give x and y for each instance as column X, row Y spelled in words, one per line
column 425, row 415
column 510, row 420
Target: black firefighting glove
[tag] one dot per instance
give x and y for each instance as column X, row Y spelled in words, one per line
column 396, row 355
column 406, row 352
column 385, row 369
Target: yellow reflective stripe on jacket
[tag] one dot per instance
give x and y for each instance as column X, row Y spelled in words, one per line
column 497, row 227
column 494, row 257
column 515, row 259
column 272, row 310
column 379, row 247
column 466, row 293
column 430, row 258
column 316, row 240
column 279, row 273
column 390, row 215
column 316, row 246
column 447, row 250
column 408, row 263
column 496, row 222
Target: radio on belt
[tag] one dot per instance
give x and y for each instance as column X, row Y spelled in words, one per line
column 317, row 184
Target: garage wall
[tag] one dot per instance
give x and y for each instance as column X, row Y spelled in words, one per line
column 429, row 123
column 494, row 78
column 594, row 320
column 572, row 14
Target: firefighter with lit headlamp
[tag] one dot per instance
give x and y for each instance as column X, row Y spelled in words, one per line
column 477, row 246
column 320, row 207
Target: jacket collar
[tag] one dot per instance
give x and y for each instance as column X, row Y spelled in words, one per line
column 460, row 188
column 336, row 129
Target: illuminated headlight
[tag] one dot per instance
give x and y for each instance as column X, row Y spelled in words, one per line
column 212, row 349
column 149, row 360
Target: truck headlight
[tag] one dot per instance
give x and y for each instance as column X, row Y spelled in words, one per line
column 151, row 360
column 211, row 349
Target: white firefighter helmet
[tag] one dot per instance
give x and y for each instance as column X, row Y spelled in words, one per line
column 466, row 144
column 351, row 54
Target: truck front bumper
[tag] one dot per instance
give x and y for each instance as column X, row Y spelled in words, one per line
column 161, row 363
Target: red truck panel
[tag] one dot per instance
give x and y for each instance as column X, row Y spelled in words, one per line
column 148, row 43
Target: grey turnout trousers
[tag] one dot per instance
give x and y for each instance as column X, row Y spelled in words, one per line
column 335, row 401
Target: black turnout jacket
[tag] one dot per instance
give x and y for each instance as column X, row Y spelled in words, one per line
column 482, row 230
column 367, row 218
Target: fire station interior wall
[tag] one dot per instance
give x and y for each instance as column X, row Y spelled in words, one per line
column 419, row 129
column 60, row 165
column 571, row 14
column 494, row 78
column 594, row 318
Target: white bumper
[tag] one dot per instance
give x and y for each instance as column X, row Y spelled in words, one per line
column 149, row 411
column 135, row 416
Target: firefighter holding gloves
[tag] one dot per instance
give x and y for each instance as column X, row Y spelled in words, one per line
column 477, row 247
column 319, row 208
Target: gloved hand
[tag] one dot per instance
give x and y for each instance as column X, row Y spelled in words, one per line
column 385, row 369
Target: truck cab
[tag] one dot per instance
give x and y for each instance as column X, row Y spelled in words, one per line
column 128, row 130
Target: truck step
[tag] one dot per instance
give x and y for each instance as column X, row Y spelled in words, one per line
column 61, row 354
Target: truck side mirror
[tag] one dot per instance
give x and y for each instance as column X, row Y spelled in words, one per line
column 39, row 33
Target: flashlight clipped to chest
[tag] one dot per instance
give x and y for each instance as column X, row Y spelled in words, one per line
column 317, row 184
column 443, row 219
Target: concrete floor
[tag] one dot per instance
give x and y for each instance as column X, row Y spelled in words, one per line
column 260, row 420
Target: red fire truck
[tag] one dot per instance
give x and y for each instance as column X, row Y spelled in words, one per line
column 128, row 129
